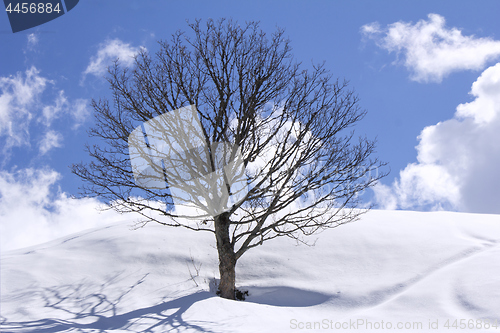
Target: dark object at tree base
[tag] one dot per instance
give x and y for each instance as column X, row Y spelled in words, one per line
column 238, row 294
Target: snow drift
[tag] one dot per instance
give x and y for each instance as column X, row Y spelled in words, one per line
column 392, row 270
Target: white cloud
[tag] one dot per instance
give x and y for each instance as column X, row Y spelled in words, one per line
column 62, row 106
column 385, row 197
column 486, row 90
column 31, row 208
column 52, row 139
column 21, row 102
column 51, row 112
column 458, row 159
column 108, row 52
column 32, row 41
column 33, row 211
column 19, row 96
column 432, row 51
column 79, row 111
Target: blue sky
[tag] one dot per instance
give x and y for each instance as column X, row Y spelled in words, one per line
column 424, row 70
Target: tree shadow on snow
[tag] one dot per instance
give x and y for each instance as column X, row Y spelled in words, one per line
column 284, row 296
column 98, row 312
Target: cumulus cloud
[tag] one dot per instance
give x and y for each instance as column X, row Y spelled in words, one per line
column 431, row 50
column 108, row 52
column 486, row 90
column 32, row 210
column 458, row 159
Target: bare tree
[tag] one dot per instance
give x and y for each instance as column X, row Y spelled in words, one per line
column 271, row 143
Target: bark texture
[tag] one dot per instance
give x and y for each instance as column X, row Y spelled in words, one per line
column 227, row 257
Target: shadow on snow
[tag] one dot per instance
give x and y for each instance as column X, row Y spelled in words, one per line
column 98, row 312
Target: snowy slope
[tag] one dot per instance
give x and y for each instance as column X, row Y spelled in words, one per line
column 389, row 270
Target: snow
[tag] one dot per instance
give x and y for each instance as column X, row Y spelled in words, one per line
column 389, row 268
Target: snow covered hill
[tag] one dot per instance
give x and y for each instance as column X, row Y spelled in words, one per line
column 392, row 270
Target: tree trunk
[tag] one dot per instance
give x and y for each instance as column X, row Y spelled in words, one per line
column 227, row 257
